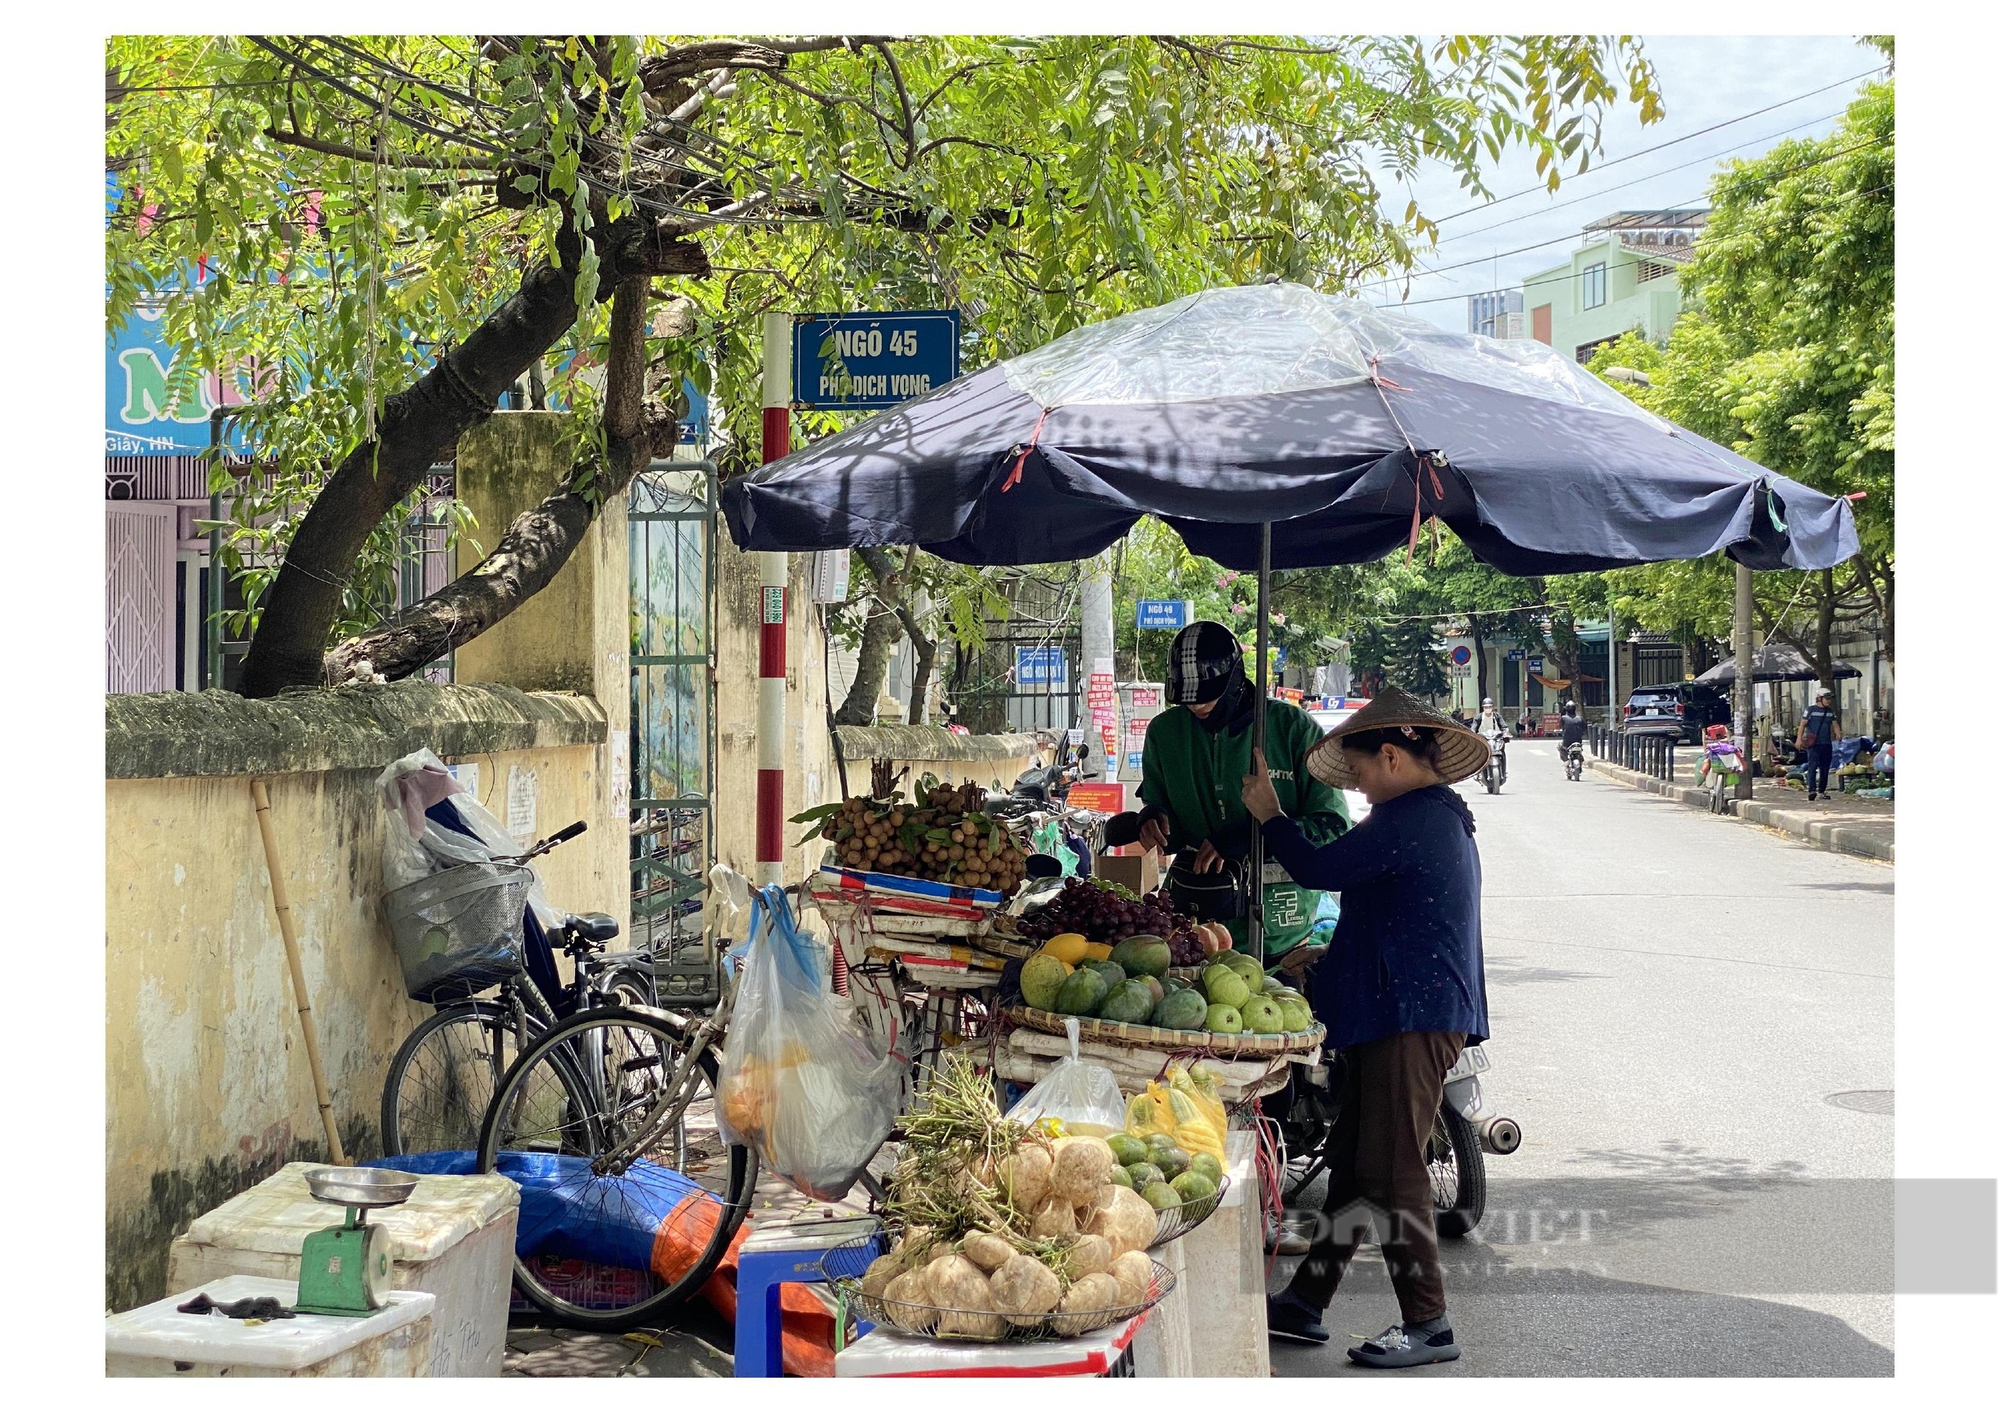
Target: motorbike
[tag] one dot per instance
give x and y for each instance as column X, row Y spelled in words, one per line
column 1573, row 760
column 1466, row 1131
column 1494, row 774
column 1039, row 797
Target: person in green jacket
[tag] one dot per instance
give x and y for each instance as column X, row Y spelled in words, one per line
column 1197, row 753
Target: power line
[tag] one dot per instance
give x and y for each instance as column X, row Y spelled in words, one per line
column 1656, row 147
column 1558, row 240
column 1635, row 181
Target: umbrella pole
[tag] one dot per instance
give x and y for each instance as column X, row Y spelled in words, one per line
column 1257, row 731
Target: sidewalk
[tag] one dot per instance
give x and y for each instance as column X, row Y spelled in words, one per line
column 1839, row 823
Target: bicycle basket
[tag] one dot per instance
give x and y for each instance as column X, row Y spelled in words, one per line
column 460, row 930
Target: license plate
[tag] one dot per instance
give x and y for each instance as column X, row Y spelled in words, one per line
column 1471, row 1060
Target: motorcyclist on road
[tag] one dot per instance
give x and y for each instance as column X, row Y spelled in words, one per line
column 1490, row 724
column 1574, row 727
column 1197, row 753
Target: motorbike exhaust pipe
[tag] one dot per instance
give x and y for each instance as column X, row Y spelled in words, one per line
column 1498, row 1136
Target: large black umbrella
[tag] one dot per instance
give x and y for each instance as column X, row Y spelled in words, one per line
column 1774, row 662
column 1271, row 425
column 1339, row 425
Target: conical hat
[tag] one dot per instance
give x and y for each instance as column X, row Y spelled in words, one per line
column 1462, row 753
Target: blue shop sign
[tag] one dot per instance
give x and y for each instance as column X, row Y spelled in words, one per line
column 1040, row 667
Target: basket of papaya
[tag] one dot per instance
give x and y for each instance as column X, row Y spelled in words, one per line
column 1131, row 997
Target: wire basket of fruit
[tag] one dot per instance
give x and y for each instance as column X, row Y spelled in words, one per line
column 949, row 1296
column 1003, row 1230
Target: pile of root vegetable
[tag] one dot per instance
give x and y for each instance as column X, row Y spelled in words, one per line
column 1006, row 1232
column 944, row 837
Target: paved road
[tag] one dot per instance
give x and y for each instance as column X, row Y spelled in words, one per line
column 1674, row 997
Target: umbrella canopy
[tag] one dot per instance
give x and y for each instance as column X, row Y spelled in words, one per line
column 1340, row 424
column 1774, row 662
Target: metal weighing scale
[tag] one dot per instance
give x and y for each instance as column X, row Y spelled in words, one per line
column 344, row 1270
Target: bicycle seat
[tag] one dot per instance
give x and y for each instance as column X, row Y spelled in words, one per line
column 592, row 927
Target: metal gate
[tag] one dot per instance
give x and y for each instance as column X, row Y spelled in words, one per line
column 138, row 596
column 671, row 521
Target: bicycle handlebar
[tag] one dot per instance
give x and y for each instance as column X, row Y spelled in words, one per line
column 540, row 847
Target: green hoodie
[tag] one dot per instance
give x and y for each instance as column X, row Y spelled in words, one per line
column 1196, row 775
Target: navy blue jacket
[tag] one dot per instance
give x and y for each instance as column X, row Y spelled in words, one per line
column 1406, row 955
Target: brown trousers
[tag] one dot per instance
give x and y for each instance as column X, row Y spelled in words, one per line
column 1376, row 1170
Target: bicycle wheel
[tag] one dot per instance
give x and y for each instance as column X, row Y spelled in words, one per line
column 589, row 1089
column 443, row 1077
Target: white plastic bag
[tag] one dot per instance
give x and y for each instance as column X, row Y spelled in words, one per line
column 412, row 785
column 795, row 1084
column 1084, row 1097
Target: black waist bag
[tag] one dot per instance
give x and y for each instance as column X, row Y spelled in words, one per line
column 1221, row 896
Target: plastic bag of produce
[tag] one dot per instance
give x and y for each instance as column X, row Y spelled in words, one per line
column 1083, row 1097
column 796, row 1084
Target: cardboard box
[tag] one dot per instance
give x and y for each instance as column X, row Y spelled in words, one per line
column 1138, row 870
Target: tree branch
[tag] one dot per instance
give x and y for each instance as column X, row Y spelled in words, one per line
column 540, row 541
column 355, row 154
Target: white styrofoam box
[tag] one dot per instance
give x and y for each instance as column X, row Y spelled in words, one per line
column 157, row 1340
column 453, row 1238
column 887, row 1353
column 1224, row 1280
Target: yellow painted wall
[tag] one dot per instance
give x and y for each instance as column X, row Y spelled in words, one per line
column 206, row 1085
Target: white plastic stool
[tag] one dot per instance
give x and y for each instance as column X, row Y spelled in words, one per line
column 157, row 1340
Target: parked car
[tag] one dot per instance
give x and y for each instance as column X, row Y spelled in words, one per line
column 1680, row 709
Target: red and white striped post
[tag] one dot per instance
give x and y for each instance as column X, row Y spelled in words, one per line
column 773, row 579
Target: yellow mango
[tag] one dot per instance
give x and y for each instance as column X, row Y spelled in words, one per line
column 1068, row 947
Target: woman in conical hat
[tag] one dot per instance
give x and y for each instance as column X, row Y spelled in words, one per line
column 1402, row 991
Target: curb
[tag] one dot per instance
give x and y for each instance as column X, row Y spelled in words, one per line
column 1807, row 829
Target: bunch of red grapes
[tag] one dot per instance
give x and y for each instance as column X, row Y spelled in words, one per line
column 1103, row 914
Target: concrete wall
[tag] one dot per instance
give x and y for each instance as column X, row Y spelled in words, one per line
column 936, row 751
column 206, row 1085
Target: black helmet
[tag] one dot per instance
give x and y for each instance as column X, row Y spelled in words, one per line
column 1204, row 661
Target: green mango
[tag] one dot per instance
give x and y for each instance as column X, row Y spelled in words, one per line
column 1129, row 1002
column 1181, row 1010
column 1160, row 1197
column 1082, row 993
column 1193, row 1187
column 1126, row 1149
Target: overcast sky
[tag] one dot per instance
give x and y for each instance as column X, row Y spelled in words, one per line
column 1703, row 81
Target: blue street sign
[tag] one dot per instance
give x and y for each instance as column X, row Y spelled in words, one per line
column 1165, row 613
column 1534, row 664
column 1461, row 655
column 1516, row 654
column 872, row 360
column 1040, row 667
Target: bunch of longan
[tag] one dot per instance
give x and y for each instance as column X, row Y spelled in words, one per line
column 943, row 845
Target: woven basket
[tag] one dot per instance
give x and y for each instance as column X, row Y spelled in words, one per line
column 1152, row 1037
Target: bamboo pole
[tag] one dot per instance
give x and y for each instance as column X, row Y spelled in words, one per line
column 283, row 902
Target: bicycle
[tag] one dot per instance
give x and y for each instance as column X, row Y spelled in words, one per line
column 442, row 1077
column 624, row 1086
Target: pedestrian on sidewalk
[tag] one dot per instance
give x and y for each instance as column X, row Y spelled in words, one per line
column 1402, row 991
column 1817, row 733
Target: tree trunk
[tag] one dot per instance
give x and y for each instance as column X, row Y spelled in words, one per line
column 539, row 542
column 1479, row 658
column 920, row 680
column 458, row 392
column 871, row 667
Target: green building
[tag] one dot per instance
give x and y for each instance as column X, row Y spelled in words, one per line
column 1621, row 277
